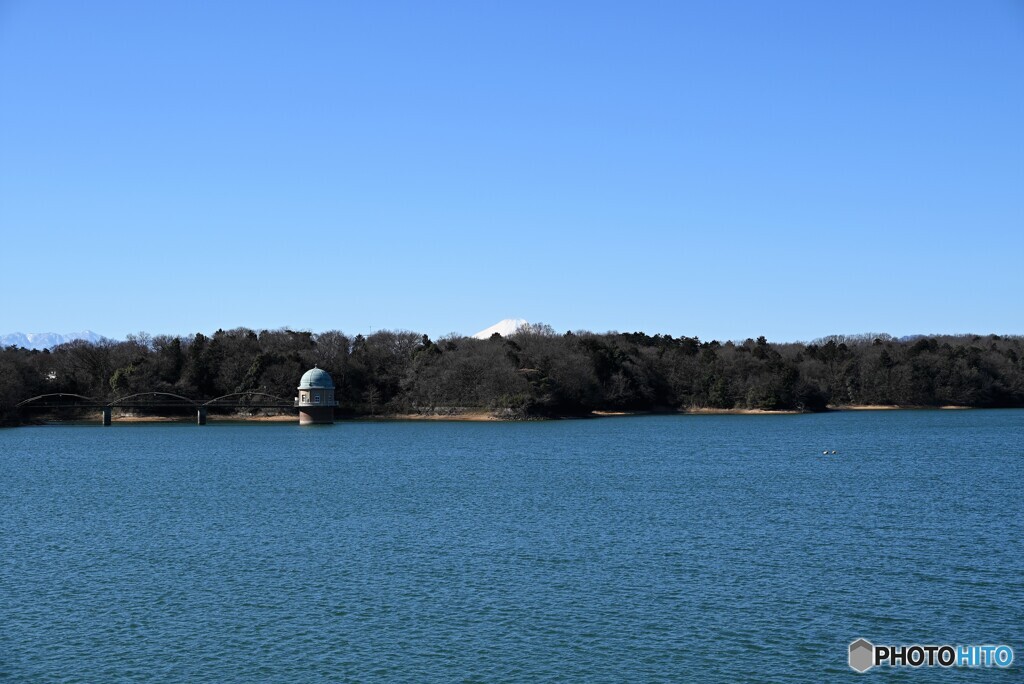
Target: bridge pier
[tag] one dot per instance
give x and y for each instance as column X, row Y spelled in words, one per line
column 201, row 415
column 107, row 414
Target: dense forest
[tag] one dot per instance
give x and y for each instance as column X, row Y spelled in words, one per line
column 534, row 373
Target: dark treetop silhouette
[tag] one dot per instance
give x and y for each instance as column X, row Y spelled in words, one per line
column 533, row 373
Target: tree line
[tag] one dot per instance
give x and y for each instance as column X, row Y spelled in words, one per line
column 534, row 373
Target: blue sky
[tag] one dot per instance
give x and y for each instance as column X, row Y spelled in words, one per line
column 720, row 169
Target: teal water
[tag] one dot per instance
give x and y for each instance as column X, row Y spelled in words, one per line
column 675, row 548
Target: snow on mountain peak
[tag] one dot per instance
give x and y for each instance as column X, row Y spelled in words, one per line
column 507, row 327
column 46, row 340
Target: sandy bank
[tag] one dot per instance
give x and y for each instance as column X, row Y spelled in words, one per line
column 152, row 419
column 740, row 412
column 866, row 407
column 253, row 419
column 474, row 416
column 892, row 407
column 174, row 419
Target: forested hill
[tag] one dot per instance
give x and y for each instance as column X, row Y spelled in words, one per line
column 535, row 372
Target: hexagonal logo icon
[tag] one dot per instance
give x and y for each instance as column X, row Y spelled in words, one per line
column 862, row 655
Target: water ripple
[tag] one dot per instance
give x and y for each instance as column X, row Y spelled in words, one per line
column 713, row 548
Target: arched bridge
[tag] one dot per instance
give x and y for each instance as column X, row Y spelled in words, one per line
column 156, row 401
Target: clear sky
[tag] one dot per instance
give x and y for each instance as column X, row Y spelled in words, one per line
column 722, row 169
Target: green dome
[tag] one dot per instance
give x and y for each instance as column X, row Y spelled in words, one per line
column 315, row 378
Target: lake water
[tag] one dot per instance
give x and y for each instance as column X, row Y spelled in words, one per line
column 663, row 548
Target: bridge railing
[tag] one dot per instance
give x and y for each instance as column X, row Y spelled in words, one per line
column 59, row 396
column 274, row 400
column 155, row 399
column 252, row 400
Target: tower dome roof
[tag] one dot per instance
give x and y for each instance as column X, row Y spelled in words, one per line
column 315, row 378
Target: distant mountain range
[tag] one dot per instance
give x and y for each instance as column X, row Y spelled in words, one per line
column 49, row 340
column 46, row 340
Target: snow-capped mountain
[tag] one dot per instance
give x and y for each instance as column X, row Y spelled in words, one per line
column 507, row 327
column 46, row 340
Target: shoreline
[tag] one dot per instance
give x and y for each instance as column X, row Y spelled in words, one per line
column 894, row 407
column 209, row 419
column 454, row 418
column 740, row 412
column 484, row 416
